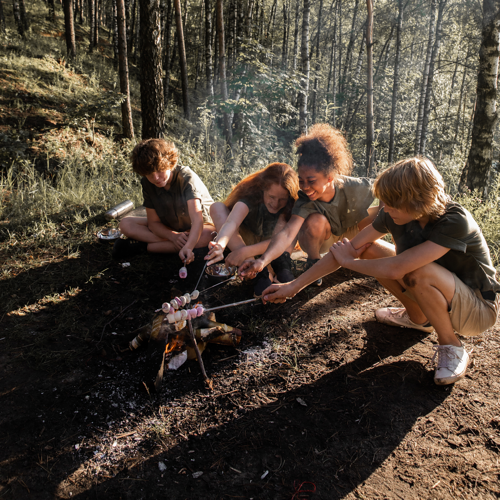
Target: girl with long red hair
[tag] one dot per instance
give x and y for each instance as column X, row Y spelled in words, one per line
column 259, row 206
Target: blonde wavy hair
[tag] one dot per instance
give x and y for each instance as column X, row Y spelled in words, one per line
column 413, row 185
column 154, row 155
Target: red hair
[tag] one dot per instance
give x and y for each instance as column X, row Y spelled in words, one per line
column 252, row 187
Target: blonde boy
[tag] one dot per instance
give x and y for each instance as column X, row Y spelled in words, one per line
column 177, row 206
column 440, row 268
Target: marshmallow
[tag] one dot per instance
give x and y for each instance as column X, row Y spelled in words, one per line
column 192, row 313
column 174, row 304
column 183, row 301
column 188, row 298
column 199, row 310
column 171, row 318
column 183, row 273
column 195, row 294
column 184, row 314
column 178, row 316
column 179, row 301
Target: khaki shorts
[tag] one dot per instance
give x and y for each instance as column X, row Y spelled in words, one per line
column 470, row 314
column 349, row 234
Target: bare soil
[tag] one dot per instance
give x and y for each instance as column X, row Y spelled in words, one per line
column 318, row 400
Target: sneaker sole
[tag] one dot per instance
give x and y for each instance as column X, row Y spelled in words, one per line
column 451, row 380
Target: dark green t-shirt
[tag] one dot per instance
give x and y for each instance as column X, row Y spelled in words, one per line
column 469, row 256
column 259, row 220
column 171, row 204
column 349, row 206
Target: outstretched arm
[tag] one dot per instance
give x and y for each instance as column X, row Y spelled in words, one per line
column 279, row 243
column 233, row 222
column 196, row 215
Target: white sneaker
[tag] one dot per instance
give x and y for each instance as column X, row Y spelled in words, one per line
column 451, row 364
column 397, row 316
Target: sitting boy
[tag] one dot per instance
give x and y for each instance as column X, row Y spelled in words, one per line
column 177, row 206
column 442, row 271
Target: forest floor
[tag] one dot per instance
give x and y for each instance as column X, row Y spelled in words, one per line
column 317, row 401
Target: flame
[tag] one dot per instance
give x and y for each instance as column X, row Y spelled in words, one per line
column 170, row 347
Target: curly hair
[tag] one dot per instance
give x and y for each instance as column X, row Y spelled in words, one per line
column 252, row 187
column 325, row 149
column 413, row 185
column 154, row 155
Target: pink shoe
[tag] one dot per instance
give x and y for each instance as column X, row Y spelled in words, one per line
column 397, row 316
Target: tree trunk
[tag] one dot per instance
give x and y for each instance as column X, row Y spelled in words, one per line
column 249, row 18
column 182, row 58
column 24, row 15
column 350, row 47
column 425, row 77
column 430, row 80
column 222, row 69
column 127, row 123
column 92, row 24
column 114, row 21
column 318, row 64
column 486, row 115
column 395, row 85
column 152, row 108
column 332, row 69
column 17, row 17
column 168, row 51
column 52, row 11
column 296, row 35
column 208, row 48
column 97, row 22
column 286, row 28
column 131, row 33
column 305, row 68
column 2, row 18
column 370, row 129
column 69, row 25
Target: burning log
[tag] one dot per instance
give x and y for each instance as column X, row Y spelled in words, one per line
column 169, row 345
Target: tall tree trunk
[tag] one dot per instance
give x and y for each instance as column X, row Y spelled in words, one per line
column 370, row 129
column 92, row 24
column 350, row 48
column 52, row 11
column 114, row 21
column 127, row 123
column 152, row 107
column 17, row 16
column 182, row 58
column 97, row 22
column 69, row 25
column 168, row 50
column 430, row 80
column 249, row 27
column 318, row 64
column 286, row 28
column 24, row 15
column 486, row 115
column 130, row 38
column 305, row 68
column 425, row 77
column 222, row 70
column 208, row 48
column 332, row 69
column 395, row 85
column 2, row 18
column 296, row 35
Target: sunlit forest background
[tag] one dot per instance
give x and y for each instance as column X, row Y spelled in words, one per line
column 233, row 84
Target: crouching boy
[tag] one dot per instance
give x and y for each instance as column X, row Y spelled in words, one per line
column 177, row 206
column 440, row 269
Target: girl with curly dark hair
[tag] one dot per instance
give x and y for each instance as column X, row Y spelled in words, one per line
column 257, row 207
column 331, row 205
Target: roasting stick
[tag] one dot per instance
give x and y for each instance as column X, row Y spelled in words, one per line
column 198, row 355
column 255, row 299
column 217, row 284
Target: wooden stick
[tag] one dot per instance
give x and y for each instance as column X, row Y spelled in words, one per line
column 198, row 355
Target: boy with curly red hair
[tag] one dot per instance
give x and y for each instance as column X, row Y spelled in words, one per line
column 177, row 206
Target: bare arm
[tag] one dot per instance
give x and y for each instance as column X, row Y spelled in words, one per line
column 233, row 222
column 278, row 244
column 196, row 216
column 328, row 264
column 395, row 267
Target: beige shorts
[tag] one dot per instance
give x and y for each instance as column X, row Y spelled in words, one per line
column 349, row 234
column 470, row 314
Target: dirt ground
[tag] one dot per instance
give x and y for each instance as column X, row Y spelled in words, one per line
column 318, row 400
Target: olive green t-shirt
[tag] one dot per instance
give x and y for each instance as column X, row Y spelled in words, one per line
column 353, row 197
column 171, row 204
column 259, row 220
column 469, row 256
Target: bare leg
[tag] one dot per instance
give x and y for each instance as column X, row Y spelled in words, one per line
column 219, row 213
column 315, row 230
column 168, row 247
column 137, row 229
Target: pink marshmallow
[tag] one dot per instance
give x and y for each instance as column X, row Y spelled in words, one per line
column 199, row 311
